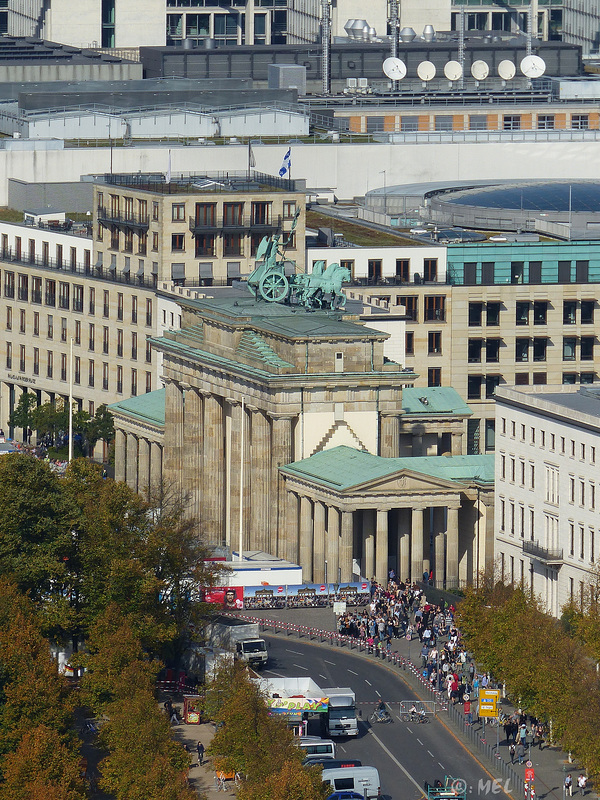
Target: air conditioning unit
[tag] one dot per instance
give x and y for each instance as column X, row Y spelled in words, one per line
column 363, row 83
column 351, row 83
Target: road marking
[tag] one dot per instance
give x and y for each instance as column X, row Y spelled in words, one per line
column 272, row 672
column 300, row 666
column 330, row 662
column 322, row 676
column 352, row 671
column 420, row 742
column 377, row 693
column 368, row 683
column 431, row 754
column 441, row 765
column 409, row 729
column 295, row 652
column 395, row 760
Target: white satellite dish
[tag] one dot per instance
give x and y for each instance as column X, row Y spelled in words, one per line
column 480, row 70
column 453, row 70
column 394, row 68
column 426, row 70
column 506, row 70
column 533, row 66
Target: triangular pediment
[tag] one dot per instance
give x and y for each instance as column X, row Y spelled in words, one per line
column 405, row 481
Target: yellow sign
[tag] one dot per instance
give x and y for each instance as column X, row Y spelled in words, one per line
column 488, row 702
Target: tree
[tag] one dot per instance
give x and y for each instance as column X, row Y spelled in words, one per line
column 22, row 416
column 50, row 419
column 42, row 768
column 291, row 782
column 101, row 426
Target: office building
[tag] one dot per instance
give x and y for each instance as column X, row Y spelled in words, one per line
column 547, row 531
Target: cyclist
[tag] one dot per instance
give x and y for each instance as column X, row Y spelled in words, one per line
column 381, row 711
column 416, row 713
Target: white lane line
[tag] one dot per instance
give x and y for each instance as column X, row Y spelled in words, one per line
column 441, row 765
column 409, row 729
column 330, row 662
column 323, row 676
column 431, row 754
column 420, row 742
column 300, row 666
column 368, row 682
column 272, row 672
column 395, row 760
column 352, row 671
column 377, row 693
column 295, row 652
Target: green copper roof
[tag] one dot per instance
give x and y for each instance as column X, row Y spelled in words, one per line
column 149, row 407
column 343, row 468
column 433, row 400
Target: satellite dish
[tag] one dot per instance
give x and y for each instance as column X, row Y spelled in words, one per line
column 533, row 66
column 506, row 70
column 426, row 71
column 394, row 68
column 453, row 70
column 480, row 70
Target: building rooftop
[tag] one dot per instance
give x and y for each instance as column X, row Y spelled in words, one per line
column 148, row 408
column 577, row 405
column 343, row 468
column 433, row 400
column 199, row 183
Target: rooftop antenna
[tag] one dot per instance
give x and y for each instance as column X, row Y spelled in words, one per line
column 393, row 22
column 461, row 48
column 326, row 42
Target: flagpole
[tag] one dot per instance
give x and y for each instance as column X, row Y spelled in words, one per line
column 242, row 457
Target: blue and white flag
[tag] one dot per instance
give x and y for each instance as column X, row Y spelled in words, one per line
column 286, row 165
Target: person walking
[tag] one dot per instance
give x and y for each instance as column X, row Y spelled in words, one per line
column 200, row 750
column 511, row 752
column 569, row 786
column 521, row 752
column 581, row 782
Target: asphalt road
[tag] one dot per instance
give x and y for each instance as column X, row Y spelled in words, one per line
column 406, row 755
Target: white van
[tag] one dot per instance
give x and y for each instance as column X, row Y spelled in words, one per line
column 317, row 748
column 364, row 780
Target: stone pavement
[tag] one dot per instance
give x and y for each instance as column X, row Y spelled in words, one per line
column 551, row 764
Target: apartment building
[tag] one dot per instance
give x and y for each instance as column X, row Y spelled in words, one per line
column 502, row 314
column 194, row 230
column 50, row 296
column 546, row 506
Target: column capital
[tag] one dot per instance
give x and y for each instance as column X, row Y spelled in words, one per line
column 185, row 386
column 276, row 415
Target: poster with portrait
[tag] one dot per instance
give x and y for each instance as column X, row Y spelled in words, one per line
column 230, row 598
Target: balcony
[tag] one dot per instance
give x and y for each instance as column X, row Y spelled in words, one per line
column 553, row 558
column 243, row 223
column 134, row 221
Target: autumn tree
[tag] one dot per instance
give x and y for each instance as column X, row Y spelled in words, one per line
column 22, row 416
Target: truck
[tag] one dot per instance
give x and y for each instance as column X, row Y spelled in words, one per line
column 341, row 715
column 239, row 637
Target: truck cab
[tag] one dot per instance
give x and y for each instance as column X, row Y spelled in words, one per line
column 252, row 651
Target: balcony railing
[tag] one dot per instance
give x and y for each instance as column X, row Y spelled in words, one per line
column 123, row 220
column 240, row 223
column 544, row 554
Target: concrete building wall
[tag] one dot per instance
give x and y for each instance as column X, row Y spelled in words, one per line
column 546, row 496
column 349, row 170
column 74, row 196
column 357, row 260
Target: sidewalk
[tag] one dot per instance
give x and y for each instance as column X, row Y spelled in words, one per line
column 550, row 764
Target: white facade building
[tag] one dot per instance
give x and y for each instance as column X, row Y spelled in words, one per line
column 548, row 491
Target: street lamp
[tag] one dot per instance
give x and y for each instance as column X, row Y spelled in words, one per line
column 384, row 171
column 71, row 401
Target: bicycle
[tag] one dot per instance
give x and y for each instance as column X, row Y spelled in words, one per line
column 381, row 716
column 419, row 717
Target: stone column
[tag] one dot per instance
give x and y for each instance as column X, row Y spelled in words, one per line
column 260, row 482
column 390, row 435
column 281, row 454
column 346, row 545
column 403, row 543
column 319, row 543
column 144, row 468
column 292, row 547
column 439, row 546
column 213, row 484
column 381, row 560
column 487, row 557
column 173, row 432
column 191, row 456
column 417, row 445
column 132, row 461
column 306, row 538
column 120, row 440
column 155, row 466
column 368, row 542
column 235, row 473
column 457, row 444
column 416, row 555
column 332, row 550
column 452, row 549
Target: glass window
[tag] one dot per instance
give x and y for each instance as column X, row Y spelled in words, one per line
column 569, row 348
column 178, row 212
column 474, row 351
column 434, row 342
column 493, row 314
column 434, row 376
column 569, row 312
column 540, row 347
column 540, row 311
column 475, row 314
column 522, row 350
column 474, row 387
column 587, row 348
column 522, row 313
column 587, row 312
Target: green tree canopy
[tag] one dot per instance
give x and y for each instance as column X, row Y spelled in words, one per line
column 23, row 414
